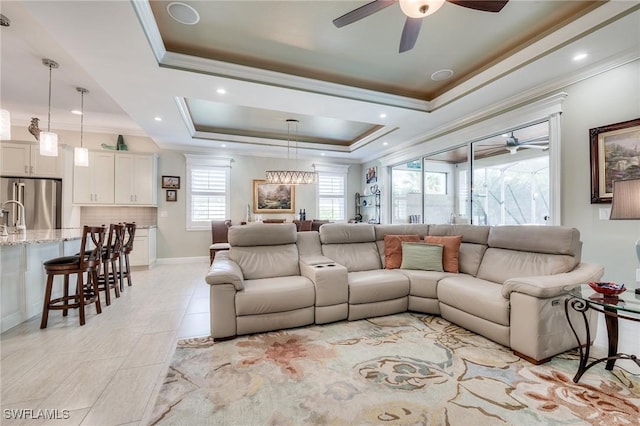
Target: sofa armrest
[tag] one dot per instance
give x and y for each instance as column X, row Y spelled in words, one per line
column 553, row 285
column 225, row 271
column 329, row 279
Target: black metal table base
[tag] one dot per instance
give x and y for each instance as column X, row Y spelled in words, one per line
column 611, row 321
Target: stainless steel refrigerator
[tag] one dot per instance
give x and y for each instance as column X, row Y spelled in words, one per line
column 42, row 200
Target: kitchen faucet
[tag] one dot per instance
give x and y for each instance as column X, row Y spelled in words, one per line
column 23, row 222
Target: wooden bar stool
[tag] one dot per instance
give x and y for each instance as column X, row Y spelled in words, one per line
column 127, row 248
column 110, row 277
column 86, row 261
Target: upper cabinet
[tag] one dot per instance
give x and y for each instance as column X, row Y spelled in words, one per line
column 94, row 184
column 136, row 179
column 117, row 179
column 24, row 159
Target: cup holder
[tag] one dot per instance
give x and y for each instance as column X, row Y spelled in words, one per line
column 328, row 265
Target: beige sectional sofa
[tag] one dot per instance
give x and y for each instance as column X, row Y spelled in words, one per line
column 510, row 285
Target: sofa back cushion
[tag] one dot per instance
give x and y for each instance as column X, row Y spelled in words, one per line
column 538, row 239
column 351, row 245
column 266, row 261
column 499, row 265
column 474, row 244
column 519, row 251
column 309, row 244
column 260, row 234
column 264, row 251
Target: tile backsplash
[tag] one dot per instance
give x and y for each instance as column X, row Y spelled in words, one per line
column 142, row 216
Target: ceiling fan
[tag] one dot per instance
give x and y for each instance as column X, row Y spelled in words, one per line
column 415, row 11
column 512, row 143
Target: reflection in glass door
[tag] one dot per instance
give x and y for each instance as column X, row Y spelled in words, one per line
column 510, row 180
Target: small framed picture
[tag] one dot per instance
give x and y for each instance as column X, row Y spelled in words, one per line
column 172, row 182
column 172, row 195
column 371, row 176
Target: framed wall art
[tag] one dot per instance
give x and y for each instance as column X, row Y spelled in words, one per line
column 273, row 198
column 172, row 195
column 171, row 182
column 372, row 175
column 615, row 155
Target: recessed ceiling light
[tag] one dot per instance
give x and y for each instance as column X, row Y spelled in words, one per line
column 221, row 91
column 383, row 115
column 385, row 143
column 158, row 118
column 224, row 145
column 183, row 13
column 76, row 112
column 441, row 75
column 580, row 56
column 322, row 153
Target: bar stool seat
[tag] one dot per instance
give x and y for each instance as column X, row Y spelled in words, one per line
column 86, row 291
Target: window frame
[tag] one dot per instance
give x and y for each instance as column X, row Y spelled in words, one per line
column 333, row 170
column 200, row 162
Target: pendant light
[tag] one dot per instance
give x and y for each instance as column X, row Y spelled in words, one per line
column 49, row 140
column 291, row 177
column 80, row 153
column 5, row 125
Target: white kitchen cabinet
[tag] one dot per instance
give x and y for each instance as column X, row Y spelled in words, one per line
column 144, row 248
column 95, row 184
column 24, row 159
column 136, row 180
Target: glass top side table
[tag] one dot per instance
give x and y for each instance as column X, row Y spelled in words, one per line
column 625, row 306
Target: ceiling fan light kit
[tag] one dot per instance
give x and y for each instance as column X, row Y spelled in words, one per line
column 420, row 8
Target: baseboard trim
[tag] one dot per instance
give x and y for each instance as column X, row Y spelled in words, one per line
column 177, row 260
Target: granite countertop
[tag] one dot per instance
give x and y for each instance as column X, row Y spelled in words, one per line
column 41, row 236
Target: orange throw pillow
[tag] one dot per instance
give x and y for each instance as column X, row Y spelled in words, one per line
column 450, row 252
column 393, row 249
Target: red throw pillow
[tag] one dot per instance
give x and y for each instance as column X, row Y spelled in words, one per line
column 450, row 252
column 393, row 249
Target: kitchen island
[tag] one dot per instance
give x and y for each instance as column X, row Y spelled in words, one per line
column 22, row 277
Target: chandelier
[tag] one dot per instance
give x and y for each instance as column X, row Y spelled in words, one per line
column 291, row 177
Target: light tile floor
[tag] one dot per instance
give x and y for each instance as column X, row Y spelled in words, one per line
column 109, row 371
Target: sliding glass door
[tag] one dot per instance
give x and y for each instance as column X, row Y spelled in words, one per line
column 510, row 181
column 500, row 180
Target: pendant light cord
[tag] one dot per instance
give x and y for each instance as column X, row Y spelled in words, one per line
column 81, row 116
column 49, row 113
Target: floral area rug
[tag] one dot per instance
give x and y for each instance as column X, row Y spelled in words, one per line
column 401, row 369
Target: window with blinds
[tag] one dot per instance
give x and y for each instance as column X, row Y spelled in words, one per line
column 208, row 195
column 331, row 196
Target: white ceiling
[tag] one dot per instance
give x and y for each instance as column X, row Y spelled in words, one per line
column 116, row 50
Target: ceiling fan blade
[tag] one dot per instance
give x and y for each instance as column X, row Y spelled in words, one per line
column 483, row 5
column 362, row 12
column 410, row 33
column 542, row 147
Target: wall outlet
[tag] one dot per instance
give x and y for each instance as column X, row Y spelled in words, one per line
column 164, row 213
column 605, row 213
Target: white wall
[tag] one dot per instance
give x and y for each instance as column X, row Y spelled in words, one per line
column 608, row 98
